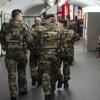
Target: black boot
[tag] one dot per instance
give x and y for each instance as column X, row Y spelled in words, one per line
column 52, row 91
column 39, row 82
column 59, row 85
column 48, row 97
column 66, row 85
column 33, row 81
column 72, row 61
column 22, row 93
column 13, row 98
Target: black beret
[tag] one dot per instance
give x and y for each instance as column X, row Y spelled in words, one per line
column 49, row 16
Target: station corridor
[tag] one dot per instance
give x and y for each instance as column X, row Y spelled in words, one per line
column 84, row 83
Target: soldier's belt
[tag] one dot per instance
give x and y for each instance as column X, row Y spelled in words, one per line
column 68, row 41
column 49, row 56
column 51, row 37
column 13, row 49
column 13, row 42
column 46, row 62
column 49, row 48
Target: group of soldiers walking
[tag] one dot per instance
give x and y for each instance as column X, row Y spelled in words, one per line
column 50, row 44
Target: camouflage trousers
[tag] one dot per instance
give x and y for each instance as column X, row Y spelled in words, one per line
column 16, row 64
column 49, row 73
column 66, row 70
column 56, row 74
column 70, row 49
column 33, row 63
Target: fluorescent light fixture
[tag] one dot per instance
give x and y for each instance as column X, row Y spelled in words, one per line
column 51, row 2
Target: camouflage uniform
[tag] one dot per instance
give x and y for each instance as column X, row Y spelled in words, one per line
column 67, row 50
column 49, row 63
column 52, row 45
column 68, row 56
column 73, row 36
column 35, row 55
column 64, row 52
column 14, row 38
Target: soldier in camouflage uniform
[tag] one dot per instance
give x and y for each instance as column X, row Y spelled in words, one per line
column 69, row 27
column 67, row 51
column 15, row 36
column 49, row 63
column 35, row 53
column 73, row 36
column 50, row 60
column 64, row 53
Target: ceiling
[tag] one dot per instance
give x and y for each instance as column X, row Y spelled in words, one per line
column 84, row 3
column 8, row 5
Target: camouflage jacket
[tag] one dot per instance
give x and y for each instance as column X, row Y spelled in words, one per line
column 53, row 39
column 15, row 35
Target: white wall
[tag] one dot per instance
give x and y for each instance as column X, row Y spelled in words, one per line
column 35, row 11
column 92, row 30
column 52, row 10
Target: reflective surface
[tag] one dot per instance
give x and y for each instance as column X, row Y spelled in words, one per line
column 84, row 83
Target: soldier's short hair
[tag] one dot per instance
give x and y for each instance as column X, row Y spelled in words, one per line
column 15, row 12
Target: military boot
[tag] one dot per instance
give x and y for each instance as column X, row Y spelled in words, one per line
column 22, row 93
column 13, row 98
column 72, row 61
column 48, row 97
column 34, row 81
column 39, row 82
column 59, row 85
column 52, row 91
column 66, row 85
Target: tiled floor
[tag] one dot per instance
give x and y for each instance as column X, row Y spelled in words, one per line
column 84, row 83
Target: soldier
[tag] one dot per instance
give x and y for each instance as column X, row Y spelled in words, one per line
column 77, row 25
column 73, row 36
column 68, row 20
column 15, row 36
column 68, row 52
column 64, row 57
column 35, row 53
column 37, row 22
column 49, row 60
